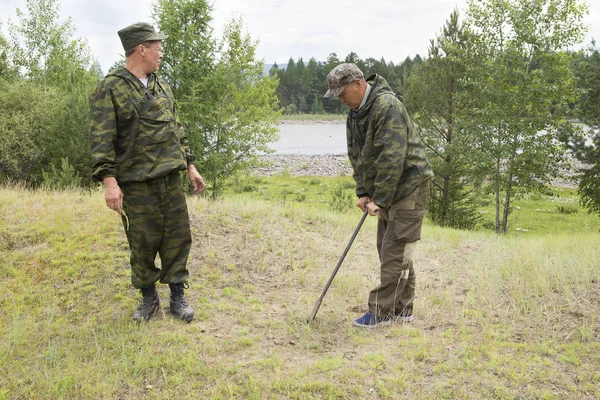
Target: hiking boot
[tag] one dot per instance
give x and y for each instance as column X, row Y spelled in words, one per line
column 149, row 305
column 370, row 320
column 179, row 305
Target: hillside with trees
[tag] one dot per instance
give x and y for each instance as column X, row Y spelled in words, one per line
column 494, row 98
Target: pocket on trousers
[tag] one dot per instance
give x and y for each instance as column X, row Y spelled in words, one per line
column 407, row 225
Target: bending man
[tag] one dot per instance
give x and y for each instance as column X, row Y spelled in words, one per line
column 392, row 176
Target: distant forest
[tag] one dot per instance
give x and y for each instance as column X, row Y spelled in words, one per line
column 302, row 85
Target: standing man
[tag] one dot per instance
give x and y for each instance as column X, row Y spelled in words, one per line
column 139, row 147
column 392, row 176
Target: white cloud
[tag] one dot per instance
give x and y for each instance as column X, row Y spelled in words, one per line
column 392, row 29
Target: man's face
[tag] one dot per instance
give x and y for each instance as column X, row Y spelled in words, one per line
column 352, row 95
column 153, row 56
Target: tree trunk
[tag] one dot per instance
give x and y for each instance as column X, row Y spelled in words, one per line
column 448, row 159
column 497, row 190
column 507, row 203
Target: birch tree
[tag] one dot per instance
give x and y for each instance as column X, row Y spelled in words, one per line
column 521, row 88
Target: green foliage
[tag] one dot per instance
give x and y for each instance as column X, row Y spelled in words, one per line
column 342, row 199
column 188, row 53
column 69, row 138
column 44, row 112
column 63, row 178
column 25, row 119
column 44, row 48
column 226, row 106
column 7, row 70
column 587, row 70
column 565, row 209
column 522, row 86
column 285, row 173
column 457, row 210
column 584, row 142
column 242, row 117
column 437, row 96
column 244, row 183
column 302, row 86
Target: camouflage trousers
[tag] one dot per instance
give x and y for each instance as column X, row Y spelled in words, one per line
column 398, row 230
column 157, row 222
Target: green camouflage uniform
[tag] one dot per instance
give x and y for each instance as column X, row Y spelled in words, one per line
column 136, row 137
column 390, row 166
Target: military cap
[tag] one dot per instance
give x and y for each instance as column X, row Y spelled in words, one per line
column 341, row 76
column 138, row 33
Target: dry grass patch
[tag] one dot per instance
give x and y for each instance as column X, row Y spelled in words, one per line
column 496, row 317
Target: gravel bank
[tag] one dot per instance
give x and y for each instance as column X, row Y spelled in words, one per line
column 313, row 122
column 312, row 165
column 336, row 165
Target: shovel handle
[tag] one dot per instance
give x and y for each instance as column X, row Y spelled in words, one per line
column 337, row 267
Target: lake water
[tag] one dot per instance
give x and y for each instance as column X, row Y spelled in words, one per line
column 311, row 139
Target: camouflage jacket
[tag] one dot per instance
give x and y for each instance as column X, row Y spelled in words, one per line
column 134, row 131
column 387, row 155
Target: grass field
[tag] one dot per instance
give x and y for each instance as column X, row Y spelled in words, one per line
column 509, row 317
column 532, row 214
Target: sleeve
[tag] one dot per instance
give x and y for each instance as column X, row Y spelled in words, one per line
column 352, row 156
column 103, row 133
column 391, row 139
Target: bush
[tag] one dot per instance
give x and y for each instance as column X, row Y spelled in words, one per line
column 63, row 178
column 244, row 184
column 342, row 199
column 567, row 209
column 25, row 118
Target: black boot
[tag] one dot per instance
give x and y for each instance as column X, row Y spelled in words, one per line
column 149, row 305
column 179, row 305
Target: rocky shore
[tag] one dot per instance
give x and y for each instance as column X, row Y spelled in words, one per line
column 305, row 165
column 336, row 165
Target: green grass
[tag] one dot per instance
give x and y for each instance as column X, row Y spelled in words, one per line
column 539, row 214
column 533, row 214
column 505, row 317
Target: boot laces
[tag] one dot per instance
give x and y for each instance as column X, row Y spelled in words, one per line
column 147, row 302
column 179, row 296
column 181, row 300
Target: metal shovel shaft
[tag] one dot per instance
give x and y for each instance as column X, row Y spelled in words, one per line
column 335, row 270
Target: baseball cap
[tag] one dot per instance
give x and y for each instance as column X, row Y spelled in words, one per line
column 341, row 76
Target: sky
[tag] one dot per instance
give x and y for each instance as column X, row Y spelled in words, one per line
column 393, row 29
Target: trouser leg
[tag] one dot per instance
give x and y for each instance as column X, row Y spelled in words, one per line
column 396, row 291
column 143, row 227
column 176, row 242
column 157, row 223
column 398, row 230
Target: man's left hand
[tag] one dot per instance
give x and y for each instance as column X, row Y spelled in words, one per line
column 373, row 209
column 195, row 179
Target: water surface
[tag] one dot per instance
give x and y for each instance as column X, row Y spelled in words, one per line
column 311, row 139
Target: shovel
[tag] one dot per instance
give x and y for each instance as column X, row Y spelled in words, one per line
column 335, row 270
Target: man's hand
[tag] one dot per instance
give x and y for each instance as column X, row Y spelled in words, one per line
column 373, row 209
column 195, row 179
column 113, row 194
column 362, row 203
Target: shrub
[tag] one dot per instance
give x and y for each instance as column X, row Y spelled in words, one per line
column 342, row 199
column 63, row 178
column 567, row 209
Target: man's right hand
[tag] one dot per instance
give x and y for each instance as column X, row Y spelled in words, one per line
column 362, row 203
column 113, row 194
